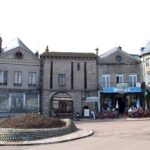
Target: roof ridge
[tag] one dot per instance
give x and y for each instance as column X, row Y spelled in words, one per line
column 15, row 43
column 112, row 50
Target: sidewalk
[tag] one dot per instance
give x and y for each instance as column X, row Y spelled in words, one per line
column 122, row 118
column 81, row 133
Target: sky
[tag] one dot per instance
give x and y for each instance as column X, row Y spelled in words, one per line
column 76, row 25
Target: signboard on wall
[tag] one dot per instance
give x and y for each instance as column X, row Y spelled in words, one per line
column 122, row 88
column 86, row 112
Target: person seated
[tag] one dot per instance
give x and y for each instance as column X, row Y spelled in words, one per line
column 140, row 112
column 130, row 112
column 146, row 113
column 130, row 109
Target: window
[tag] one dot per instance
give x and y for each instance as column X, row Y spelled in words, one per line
column 106, row 80
column 119, row 78
column 17, row 102
column 18, row 55
column 3, row 77
column 148, row 77
column 61, row 79
column 118, row 58
column 18, row 78
column 4, row 102
column 133, row 80
column 32, row 103
column 32, row 79
column 147, row 62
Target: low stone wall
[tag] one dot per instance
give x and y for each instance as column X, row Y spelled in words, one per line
column 11, row 134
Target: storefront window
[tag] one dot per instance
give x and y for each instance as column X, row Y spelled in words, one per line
column 4, row 103
column 17, row 102
column 31, row 103
column 62, row 105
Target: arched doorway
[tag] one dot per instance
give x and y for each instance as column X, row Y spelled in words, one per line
column 62, row 105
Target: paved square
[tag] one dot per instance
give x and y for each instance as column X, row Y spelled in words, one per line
column 109, row 135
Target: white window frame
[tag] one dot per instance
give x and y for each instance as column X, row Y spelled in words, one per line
column 120, row 77
column 32, row 78
column 3, row 77
column 133, row 79
column 147, row 62
column 148, row 78
column 18, row 78
column 106, row 80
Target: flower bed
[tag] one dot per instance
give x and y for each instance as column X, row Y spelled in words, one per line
column 13, row 134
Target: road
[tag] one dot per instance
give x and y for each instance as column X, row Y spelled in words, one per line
column 108, row 135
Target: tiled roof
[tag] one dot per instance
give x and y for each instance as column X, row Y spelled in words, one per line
column 68, row 55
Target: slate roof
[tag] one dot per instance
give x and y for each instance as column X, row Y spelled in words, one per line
column 135, row 56
column 16, row 43
column 111, row 51
column 68, row 55
column 117, row 49
column 146, row 49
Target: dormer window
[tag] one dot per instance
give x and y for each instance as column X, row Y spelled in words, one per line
column 18, row 55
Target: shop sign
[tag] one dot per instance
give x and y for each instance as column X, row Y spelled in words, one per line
column 122, row 88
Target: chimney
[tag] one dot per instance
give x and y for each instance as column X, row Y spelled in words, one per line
column 47, row 49
column 37, row 54
column 0, row 44
column 97, row 50
column 119, row 47
column 142, row 49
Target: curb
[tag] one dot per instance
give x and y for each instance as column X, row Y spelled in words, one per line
column 80, row 133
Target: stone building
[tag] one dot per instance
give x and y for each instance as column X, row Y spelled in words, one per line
column 64, row 83
column 19, row 79
column 68, row 78
column 119, row 79
column 145, row 58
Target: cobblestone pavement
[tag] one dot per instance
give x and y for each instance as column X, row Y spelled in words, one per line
column 108, row 135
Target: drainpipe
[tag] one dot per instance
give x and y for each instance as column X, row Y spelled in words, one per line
column 98, row 91
column 97, row 50
column 41, row 84
column 0, row 44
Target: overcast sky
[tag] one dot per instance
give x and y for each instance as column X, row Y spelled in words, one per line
column 76, row 25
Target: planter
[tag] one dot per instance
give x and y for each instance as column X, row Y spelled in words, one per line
column 12, row 134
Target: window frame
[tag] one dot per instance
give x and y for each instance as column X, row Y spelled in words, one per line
column 147, row 62
column 18, row 78
column 3, row 77
column 62, row 79
column 119, row 78
column 148, row 74
column 133, row 77
column 32, row 79
column 106, row 80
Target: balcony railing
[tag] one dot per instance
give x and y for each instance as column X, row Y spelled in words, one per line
column 113, row 87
